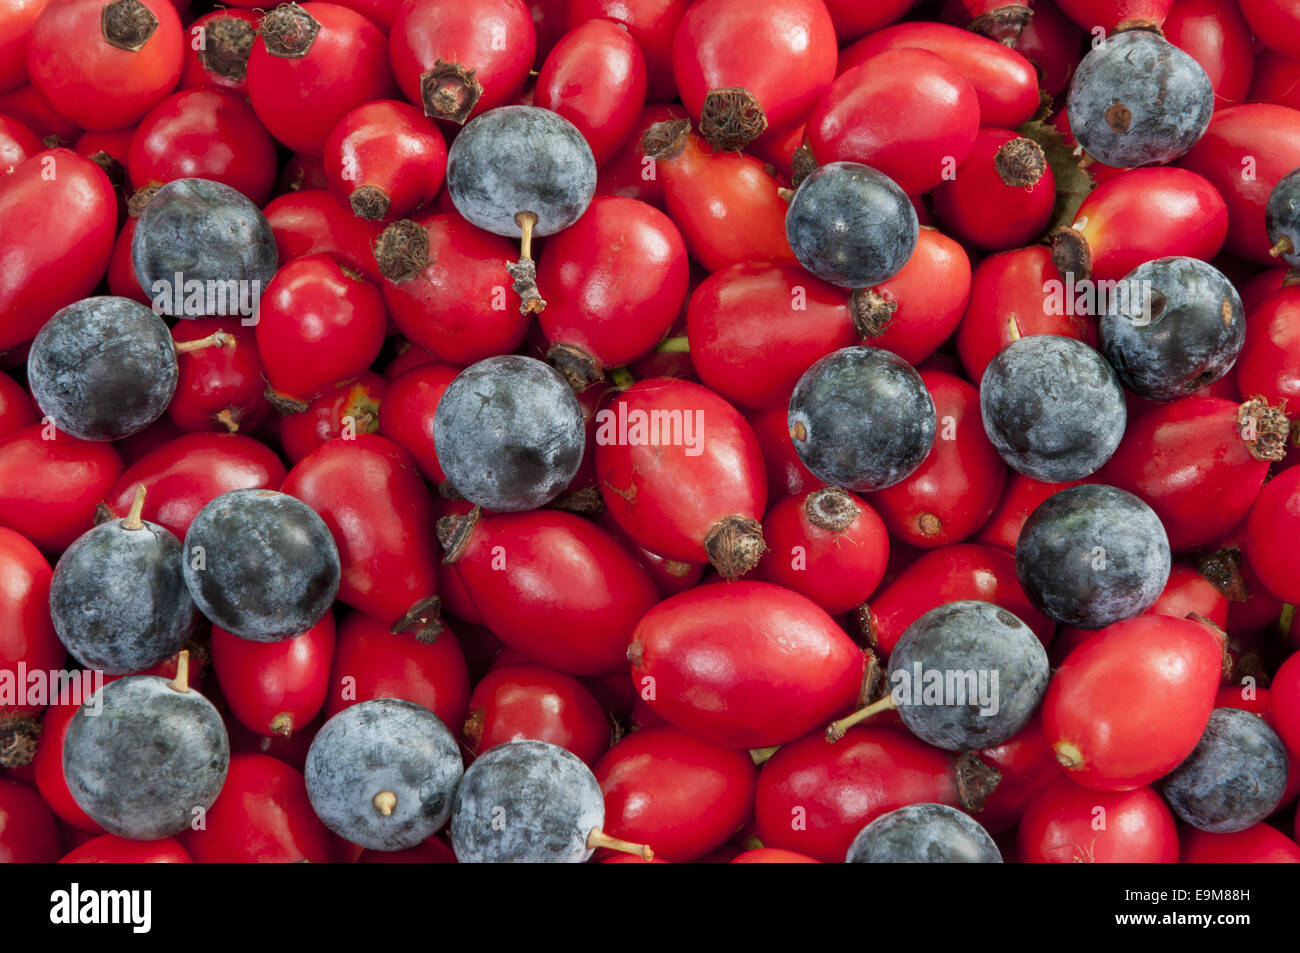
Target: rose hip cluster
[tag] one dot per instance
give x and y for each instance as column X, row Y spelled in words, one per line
column 650, row 431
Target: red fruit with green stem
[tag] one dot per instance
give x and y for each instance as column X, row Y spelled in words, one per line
column 1003, row 80
column 385, row 159
column 1053, row 44
column 371, row 497
column 1114, row 15
column 220, row 387
column 44, row 269
column 342, row 412
column 17, row 409
column 669, row 788
column 1199, row 462
column 1276, row 23
column 1069, row 824
column 275, row 688
column 949, row 574
column 595, row 77
column 79, row 49
column 1276, row 80
column 629, row 173
column 616, row 280
column 1015, row 294
column 813, row 797
column 458, row 60
column 222, row 60
column 1015, row 771
column 442, row 283
column 1243, row 154
column 17, row 142
column 310, row 66
column 1269, row 364
column 27, row 638
column 827, row 545
column 407, row 420
column 319, row 324
column 651, row 24
column 711, row 660
column 1129, row 704
column 727, row 205
column 183, row 475
column 551, row 585
column 111, row 849
column 905, row 112
column 686, row 494
column 28, row 833
column 1000, row 20
column 745, row 68
column 1001, row 196
column 16, row 22
column 1138, row 215
column 262, row 815
column 955, row 489
column 530, row 701
column 1271, row 533
column 1216, row 35
column 1260, row 844
column 313, row 222
column 50, row 485
column 371, row 662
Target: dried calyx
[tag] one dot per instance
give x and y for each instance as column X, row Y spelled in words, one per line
column 127, row 24
column 226, row 46
column 735, row 545
column 449, row 91
column 1020, row 162
column 1264, row 429
column 289, row 31
column 731, row 118
column 402, row 250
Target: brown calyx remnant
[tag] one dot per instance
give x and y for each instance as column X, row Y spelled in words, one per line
column 1139, row 23
column 1222, row 636
column 402, row 250
column 449, row 91
column 731, row 118
column 976, row 781
column 18, row 739
column 584, row 502
column 1071, row 254
column 1119, row 117
column 802, row 165
column 127, row 24
column 576, row 365
column 1264, row 429
column 282, row 724
column 289, row 31
column 422, row 619
column 473, row 729
column 831, row 509
column 1020, row 162
column 115, row 171
column 135, row 205
column 454, row 533
column 928, row 524
column 873, row 686
column 284, row 404
column 667, row 139
column 1003, row 24
column 735, row 545
column 1223, row 570
column 864, row 625
column 226, row 47
column 871, row 312
column 369, row 202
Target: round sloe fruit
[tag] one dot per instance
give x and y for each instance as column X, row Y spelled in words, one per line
column 923, row 834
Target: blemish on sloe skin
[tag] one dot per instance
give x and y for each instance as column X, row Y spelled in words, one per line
column 923, row 834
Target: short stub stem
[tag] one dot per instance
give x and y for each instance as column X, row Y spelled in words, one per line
column 524, row 271
column 385, row 802
column 838, row 729
column 217, row 338
column 1283, row 247
column 181, row 683
column 133, row 520
column 598, row 838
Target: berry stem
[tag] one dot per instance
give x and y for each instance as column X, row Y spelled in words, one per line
column 598, row 838
column 524, row 271
column 837, row 729
column 133, row 520
column 385, row 802
column 181, row 683
column 1283, row 247
column 217, row 338
column 677, row 345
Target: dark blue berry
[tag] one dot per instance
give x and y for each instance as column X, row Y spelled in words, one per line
column 923, row 834
column 1282, row 218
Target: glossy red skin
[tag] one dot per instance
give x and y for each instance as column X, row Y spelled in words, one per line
column 42, row 270
column 1268, row 134
column 1254, row 291
column 651, row 24
column 667, row 501
column 455, row 599
column 17, row 143
column 431, row 851
column 26, row 632
column 28, row 106
column 48, row 767
column 726, row 205
column 324, row 419
column 670, row 576
column 962, row 571
column 1142, row 214
column 204, row 134
column 409, row 405
column 981, row 209
column 1130, row 703
column 73, row 65
column 1026, row 766
column 595, row 77
column 312, row 306
column 183, row 475
column 1059, row 827
column 17, row 409
column 371, row 497
column 905, row 112
column 1260, row 844
column 1276, row 80
column 1271, row 534
column 1269, row 364
column 301, row 99
column 786, row 474
column 1261, row 608
column 781, row 51
column 530, row 701
column 194, row 74
column 569, row 596
column 755, row 327
column 853, row 19
column 409, row 356
column 313, row 221
column 960, row 481
column 302, row 172
column 263, row 682
column 838, row 570
column 115, row 142
column 216, row 379
column 51, row 487
column 1020, row 497
column 1285, row 691
column 1003, row 80
column 1007, row 302
column 716, row 657
column 773, row 855
column 837, row 789
column 262, row 815
column 1188, row 462
column 494, row 38
column 628, row 172
column 391, row 146
column 1216, row 35
column 16, row 21
column 451, row 308
column 616, row 306
column 111, row 849
column 134, row 447
column 1276, row 23
column 371, row 662
column 1109, row 14
column 1187, row 591
column 28, row 834
column 1052, row 43
column 683, row 796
